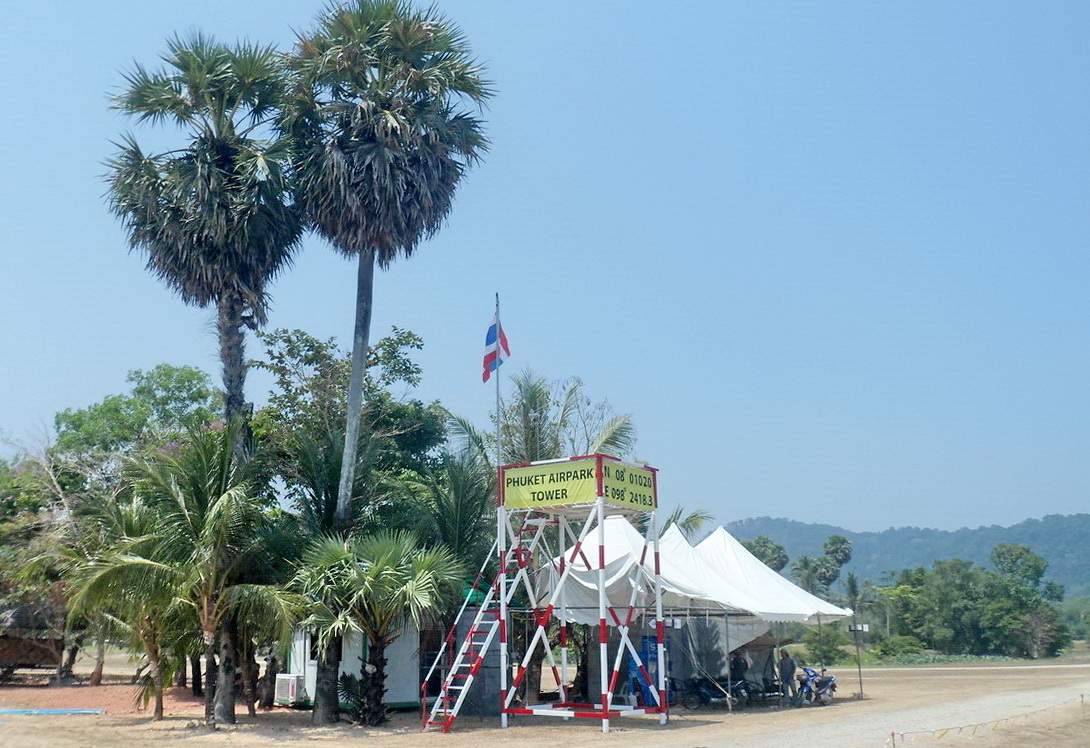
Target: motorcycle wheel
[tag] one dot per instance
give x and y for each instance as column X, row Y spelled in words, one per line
column 692, row 701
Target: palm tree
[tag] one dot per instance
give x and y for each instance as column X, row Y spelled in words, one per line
column 310, row 466
column 213, row 217
column 374, row 585
column 689, row 523
column 807, row 574
column 544, row 421
column 211, row 535
column 459, row 497
column 861, row 597
column 116, row 584
column 839, row 549
column 382, row 146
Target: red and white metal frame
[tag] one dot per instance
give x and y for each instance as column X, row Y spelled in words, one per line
column 593, row 515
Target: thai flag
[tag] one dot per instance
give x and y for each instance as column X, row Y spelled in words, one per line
column 496, row 350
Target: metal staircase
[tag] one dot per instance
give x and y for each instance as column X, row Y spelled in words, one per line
column 467, row 663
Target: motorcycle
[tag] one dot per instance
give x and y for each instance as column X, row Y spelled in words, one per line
column 816, row 688
column 704, row 690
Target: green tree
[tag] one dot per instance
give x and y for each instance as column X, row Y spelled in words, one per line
column 213, row 217
column 860, row 596
column 304, row 427
column 958, row 608
column 162, row 403
column 383, row 144
column 689, row 523
column 545, row 421
column 806, row 572
column 769, row 552
column 839, row 549
column 824, row 644
column 309, row 396
column 1019, row 563
column 373, row 585
column 458, row 497
column 212, row 535
column 108, row 583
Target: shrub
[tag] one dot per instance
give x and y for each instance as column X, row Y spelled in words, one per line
column 896, row 646
column 823, row 643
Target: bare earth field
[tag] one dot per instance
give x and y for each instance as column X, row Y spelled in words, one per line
column 989, row 706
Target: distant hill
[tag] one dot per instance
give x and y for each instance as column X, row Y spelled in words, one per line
column 1061, row 539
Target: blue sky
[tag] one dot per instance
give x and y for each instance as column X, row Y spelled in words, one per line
column 833, row 258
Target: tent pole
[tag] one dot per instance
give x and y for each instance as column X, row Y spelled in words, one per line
column 603, row 631
column 660, row 629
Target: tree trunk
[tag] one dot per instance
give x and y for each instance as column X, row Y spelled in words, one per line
column 365, row 287
column 100, row 662
column 532, row 683
column 224, row 709
column 327, row 702
column 156, row 673
column 373, row 686
column 268, row 691
column 70, row 656
column 210, row 669
column 180, row 679
column 581, row 684
column 249, row 675
column 195, row 666
column 232, row 354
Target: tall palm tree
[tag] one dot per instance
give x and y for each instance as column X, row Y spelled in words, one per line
column 383, row 143
column 374, row 585
column 214, row 216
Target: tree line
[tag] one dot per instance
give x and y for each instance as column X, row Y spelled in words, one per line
column 954, row 607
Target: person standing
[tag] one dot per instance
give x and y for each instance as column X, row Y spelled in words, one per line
column 788, row 686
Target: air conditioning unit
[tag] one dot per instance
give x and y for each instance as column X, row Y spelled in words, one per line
column 290, row 690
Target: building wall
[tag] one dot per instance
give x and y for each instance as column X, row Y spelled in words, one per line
column 402, row 666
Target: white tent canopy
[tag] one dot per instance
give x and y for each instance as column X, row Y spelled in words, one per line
column 781, row 600
column 719, row 576
column 577, row 600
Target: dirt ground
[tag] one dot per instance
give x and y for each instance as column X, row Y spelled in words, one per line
column 988, row 706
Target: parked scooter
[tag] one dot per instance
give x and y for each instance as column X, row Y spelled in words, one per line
column 816, row 688
column 704, row 690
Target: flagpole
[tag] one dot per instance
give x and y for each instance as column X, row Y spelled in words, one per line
column 501, row 542
column 499, row 327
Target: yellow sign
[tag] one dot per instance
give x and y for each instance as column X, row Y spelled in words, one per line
column 579, row 481
column 551, row 484
column 630, row 486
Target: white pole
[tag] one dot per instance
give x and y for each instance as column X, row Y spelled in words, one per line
column 603, row 635
column 501, row 540
column 660, row 628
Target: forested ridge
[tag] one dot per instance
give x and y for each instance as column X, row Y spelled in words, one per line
column 1059, row 539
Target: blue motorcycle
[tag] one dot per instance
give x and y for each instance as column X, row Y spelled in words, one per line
column 816, row 688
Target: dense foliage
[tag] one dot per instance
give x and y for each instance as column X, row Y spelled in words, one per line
column 1059, row 539
column 956, row 607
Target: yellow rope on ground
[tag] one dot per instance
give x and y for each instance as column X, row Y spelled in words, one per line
column 939, row 734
